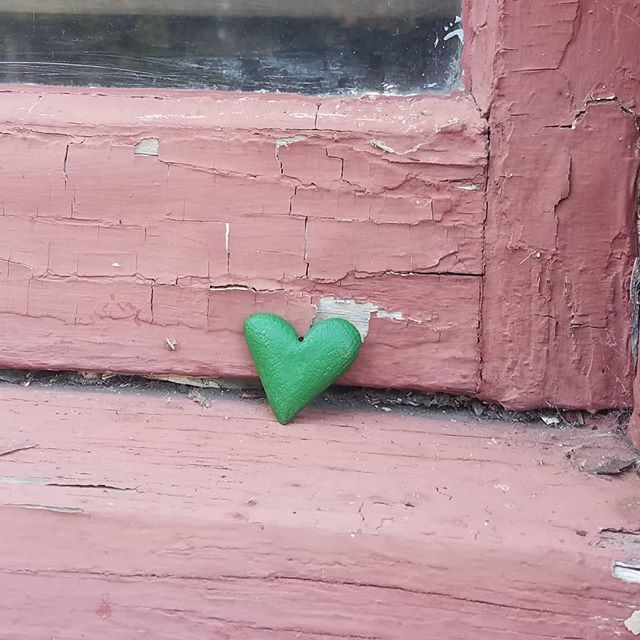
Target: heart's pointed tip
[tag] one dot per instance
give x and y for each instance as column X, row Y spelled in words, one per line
column 284, row 419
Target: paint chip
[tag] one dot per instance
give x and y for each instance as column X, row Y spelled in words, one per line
column 632, row 623
column 147, row 147
column 357, row 313
column 626, row 572
column 285, row 142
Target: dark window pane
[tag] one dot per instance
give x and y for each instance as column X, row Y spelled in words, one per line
column 305, row 46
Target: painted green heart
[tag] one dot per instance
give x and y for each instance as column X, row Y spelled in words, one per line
column 295, row 370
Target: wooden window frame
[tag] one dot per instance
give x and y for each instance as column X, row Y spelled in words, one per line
column 557, row 236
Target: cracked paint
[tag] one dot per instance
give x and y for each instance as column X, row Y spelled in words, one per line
column 297, row 198
column 410, row 520
column 215, row 218
column 627, row 572
column 358, row 313
column 560, row 239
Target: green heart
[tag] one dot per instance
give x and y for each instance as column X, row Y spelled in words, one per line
column 295, row 370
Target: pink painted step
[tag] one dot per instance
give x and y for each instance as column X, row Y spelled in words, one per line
column 147, row 515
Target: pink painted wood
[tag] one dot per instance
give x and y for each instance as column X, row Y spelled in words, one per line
column 149, row 515
column 561, row 220
column 507, row 210
column 127, row 218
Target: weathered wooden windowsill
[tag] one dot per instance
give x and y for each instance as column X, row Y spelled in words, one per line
column 149, row 512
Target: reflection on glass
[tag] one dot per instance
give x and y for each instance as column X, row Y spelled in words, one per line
column 303, row 46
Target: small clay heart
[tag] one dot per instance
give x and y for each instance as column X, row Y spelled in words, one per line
column 295, row 370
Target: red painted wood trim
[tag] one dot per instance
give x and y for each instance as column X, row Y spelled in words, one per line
column 561, row 221
column 108, row 247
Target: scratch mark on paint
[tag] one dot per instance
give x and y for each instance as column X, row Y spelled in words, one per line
column 44, row 507
column 227, row 232
column 383, row 146
column 24, row 447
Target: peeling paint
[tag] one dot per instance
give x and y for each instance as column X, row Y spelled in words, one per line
column 550, row 117
column 286, row 141
column 358, row 313
column 632, row 623
column 216, row 208
column 383, row 146
column 627, row 572
column 23, row 480
column 147, row 147
column 232, row 287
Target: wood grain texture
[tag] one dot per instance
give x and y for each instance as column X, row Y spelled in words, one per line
column 128, row 220
column 146, row 513
column 321, row 192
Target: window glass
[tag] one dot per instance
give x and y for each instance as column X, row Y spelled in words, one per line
column 303, row 46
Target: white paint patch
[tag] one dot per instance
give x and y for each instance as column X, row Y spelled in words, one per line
column 169, row 116
column 227, row 232
column 27, row 480
column 632, row 623
column 451, row 122
column 147, row 147
column 627, row 572
column 285, row 142
column 453, row 34
column 390, row 315
column 469, row 187
column 383, row 146
column 357, row 313
column 305, row 116
column 46, row 507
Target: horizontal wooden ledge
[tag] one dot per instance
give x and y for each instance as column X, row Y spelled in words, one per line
column 151, row 511
column 353, row 9
column 152, row 109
